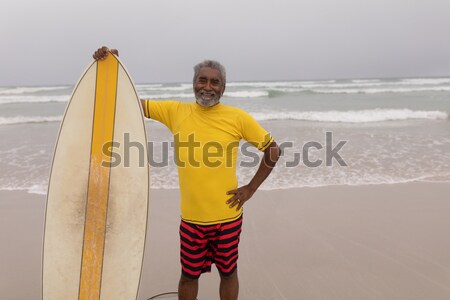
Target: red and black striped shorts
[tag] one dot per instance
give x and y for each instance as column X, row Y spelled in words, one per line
column 203, row 245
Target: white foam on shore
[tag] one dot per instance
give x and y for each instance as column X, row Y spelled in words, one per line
column 247, row 94
column 275, row 185
column 35, row 189
column 32, row 99
column 27, row 120
column 167, row 96
column 262, row 84
column 30, row 90
column 162, row 88
column 267, row 186
column 38, row 189
column 381, row 90
column 426, row 81
column 149, row 85
column 365, row 80
column 162, row 184
column 361, row 116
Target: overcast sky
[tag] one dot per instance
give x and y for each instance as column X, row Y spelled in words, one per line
column 46, row 42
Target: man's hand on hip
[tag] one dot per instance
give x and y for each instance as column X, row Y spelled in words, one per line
column 241, row 195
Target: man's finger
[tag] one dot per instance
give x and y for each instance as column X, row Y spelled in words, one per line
column 232, row 192
column 103, row 52
column 234, row 198
column 240, row 205
column 235, row 202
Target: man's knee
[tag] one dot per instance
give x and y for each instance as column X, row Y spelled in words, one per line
column 187, row 280
column 231, row 276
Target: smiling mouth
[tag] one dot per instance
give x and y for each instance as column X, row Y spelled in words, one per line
column 207, row 96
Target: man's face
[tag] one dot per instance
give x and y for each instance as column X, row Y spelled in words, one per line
column 208, row 87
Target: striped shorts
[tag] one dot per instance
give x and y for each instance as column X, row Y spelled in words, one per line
column 203, row 245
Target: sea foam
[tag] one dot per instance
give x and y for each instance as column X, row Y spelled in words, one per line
column 361, row 116
column 382, row 90
column 33, row 99
column 31, row 90
column 27, row 120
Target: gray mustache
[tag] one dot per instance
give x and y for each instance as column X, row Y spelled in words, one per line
column 207, row 93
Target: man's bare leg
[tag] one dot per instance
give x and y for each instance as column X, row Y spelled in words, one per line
column 229, row 286
column 187, row 288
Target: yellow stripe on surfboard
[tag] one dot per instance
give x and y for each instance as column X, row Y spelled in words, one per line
column 98, row 186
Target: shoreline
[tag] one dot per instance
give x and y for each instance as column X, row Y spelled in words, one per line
column 337, row 242
column 157, row 190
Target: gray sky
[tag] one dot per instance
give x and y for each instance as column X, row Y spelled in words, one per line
column 49, row 42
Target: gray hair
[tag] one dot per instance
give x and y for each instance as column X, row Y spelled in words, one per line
column 213, row 65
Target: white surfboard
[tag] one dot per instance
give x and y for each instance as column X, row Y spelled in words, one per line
column 97, row 203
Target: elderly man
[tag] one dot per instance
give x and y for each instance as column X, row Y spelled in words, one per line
column 207, row 135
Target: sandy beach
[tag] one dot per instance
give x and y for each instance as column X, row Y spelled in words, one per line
column 336, row 242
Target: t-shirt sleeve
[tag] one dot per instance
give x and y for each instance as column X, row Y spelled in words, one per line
column 162, row 111
column 254, row 133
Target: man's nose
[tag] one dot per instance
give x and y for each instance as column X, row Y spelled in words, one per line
column 207, row 86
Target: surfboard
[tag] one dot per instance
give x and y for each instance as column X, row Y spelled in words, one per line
column 98, row 194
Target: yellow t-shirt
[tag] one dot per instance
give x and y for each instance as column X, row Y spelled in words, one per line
column 206, row 142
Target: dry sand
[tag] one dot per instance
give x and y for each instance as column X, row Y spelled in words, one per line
column 365, row 242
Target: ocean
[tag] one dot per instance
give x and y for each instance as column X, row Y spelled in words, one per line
column 333, row 132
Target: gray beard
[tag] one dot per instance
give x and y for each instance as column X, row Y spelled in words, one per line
column 207, row 103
